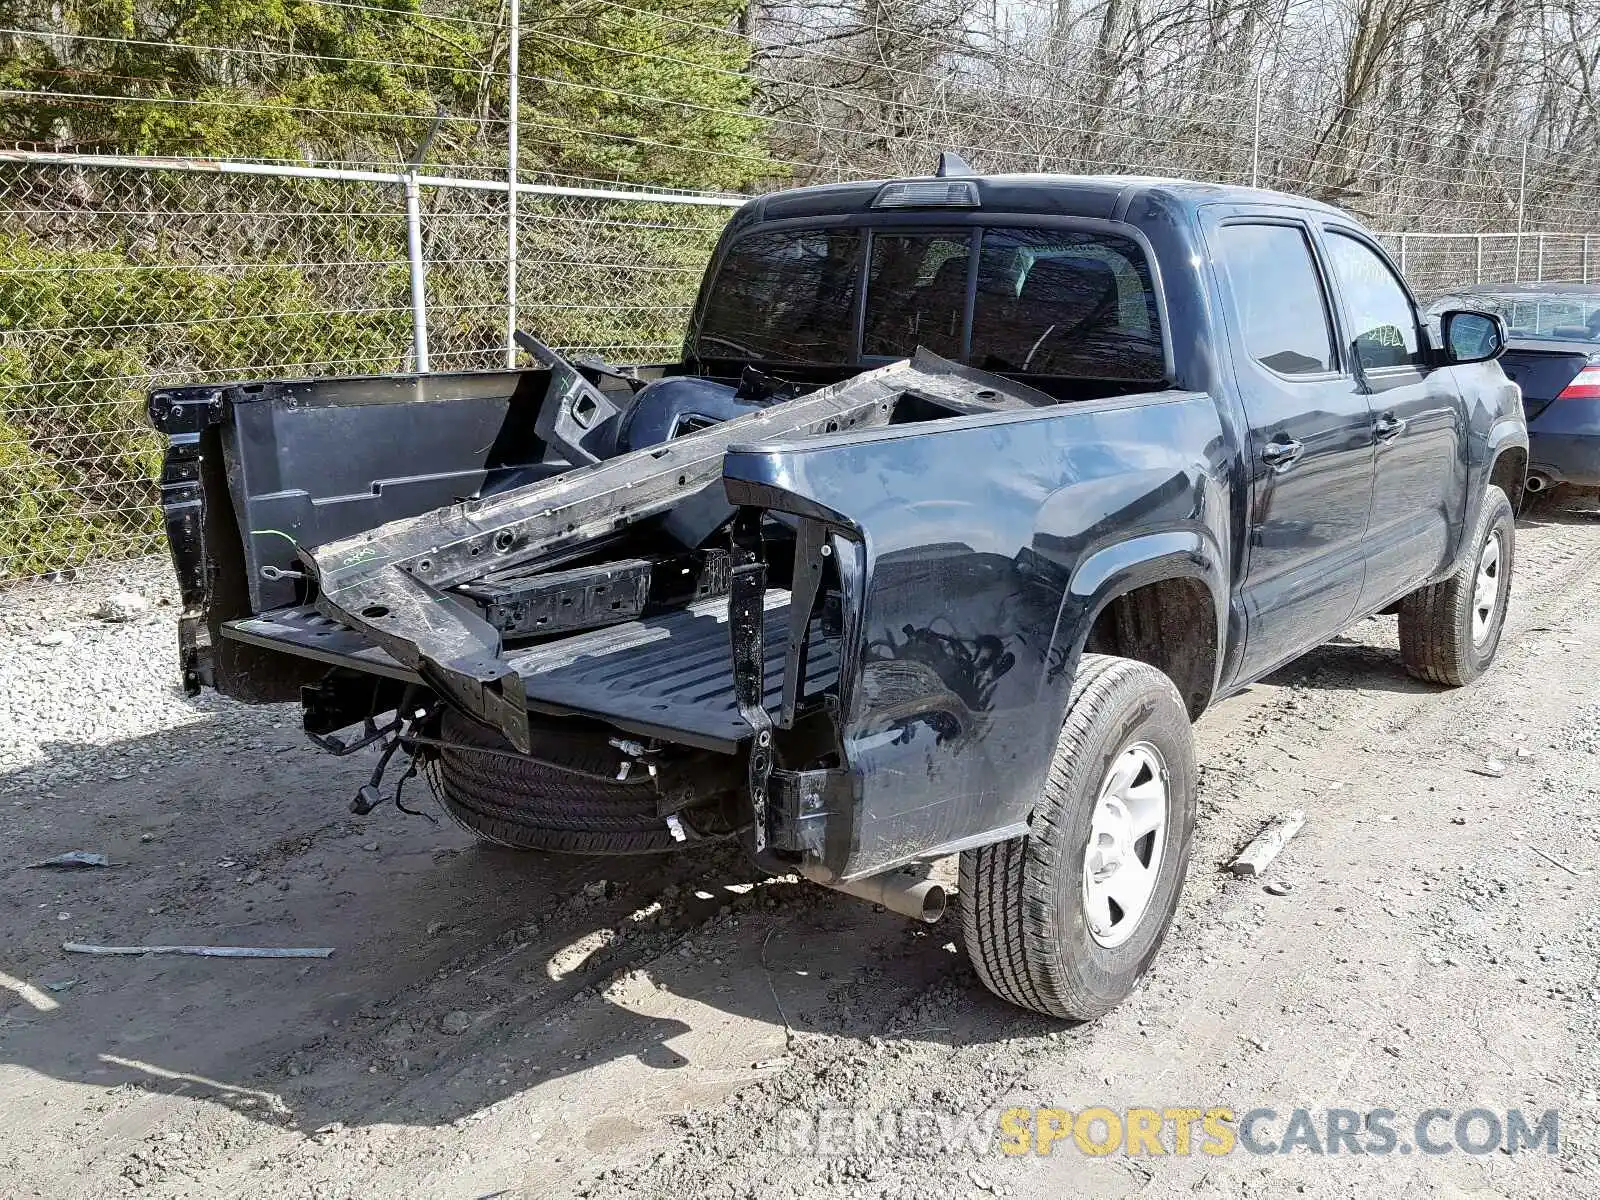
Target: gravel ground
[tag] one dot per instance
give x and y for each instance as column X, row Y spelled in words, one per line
column 497, row 1024
column 77, row 688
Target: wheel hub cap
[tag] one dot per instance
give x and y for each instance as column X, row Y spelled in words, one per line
column 1486, row 590
column 1127, row 836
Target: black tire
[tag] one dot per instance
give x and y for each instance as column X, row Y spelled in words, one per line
column 1024, row 908
column 1437, row 622
column 527, row 805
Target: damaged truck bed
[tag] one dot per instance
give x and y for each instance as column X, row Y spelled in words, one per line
column 967, row 495
column 394, row 586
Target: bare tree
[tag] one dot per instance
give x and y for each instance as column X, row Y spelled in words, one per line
column 1413, row 113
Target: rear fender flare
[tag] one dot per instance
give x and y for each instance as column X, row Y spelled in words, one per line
column 1506, row 436
column 1114, row 571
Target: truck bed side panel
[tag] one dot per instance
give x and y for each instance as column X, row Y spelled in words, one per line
column 970, row 534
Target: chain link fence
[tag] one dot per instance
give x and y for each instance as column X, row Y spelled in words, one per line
column 118, row 277
column 1436, row 262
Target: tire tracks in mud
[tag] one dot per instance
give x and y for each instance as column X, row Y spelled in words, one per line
column 408, row 1090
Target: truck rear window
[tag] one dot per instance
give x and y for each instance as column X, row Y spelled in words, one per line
column 785, row 297
column 1058, row 302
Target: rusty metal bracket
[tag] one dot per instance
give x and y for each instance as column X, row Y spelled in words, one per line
column 747, row 592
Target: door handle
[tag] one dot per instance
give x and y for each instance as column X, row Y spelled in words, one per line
column 1388, row 427
column 1279, row 455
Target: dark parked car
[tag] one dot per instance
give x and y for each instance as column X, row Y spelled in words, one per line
column 1553, row 354
column 867, row 610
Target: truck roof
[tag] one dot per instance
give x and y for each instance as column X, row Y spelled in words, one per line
column 1077, row 195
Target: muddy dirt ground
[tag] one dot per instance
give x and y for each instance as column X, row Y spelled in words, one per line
column 500, row 1025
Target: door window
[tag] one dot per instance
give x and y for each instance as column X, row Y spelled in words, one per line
column 1383, row 325
column 1283, row 315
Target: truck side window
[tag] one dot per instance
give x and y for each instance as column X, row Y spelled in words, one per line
column 1282, row 311
column 916, row 293
column 1383, row 325
column 784, row 297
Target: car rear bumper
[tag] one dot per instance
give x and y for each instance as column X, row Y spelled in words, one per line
column 1564, row 443
column 1565, row 458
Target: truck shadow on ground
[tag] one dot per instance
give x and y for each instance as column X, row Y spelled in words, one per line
column 1355, row 663
column 1350, row 664
column 462, row 975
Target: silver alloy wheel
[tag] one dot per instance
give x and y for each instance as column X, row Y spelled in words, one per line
column 1486, row 589
column 1127, row 837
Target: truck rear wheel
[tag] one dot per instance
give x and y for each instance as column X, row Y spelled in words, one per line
column 508, row 800
column 1449, row 631
column 1067, row 919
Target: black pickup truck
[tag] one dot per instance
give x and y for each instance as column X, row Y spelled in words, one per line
column 968, row 495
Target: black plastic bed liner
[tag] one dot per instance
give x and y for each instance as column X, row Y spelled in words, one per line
column 667, row 676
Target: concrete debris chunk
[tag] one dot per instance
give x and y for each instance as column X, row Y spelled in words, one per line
column 72, row 860
column 1260, row 853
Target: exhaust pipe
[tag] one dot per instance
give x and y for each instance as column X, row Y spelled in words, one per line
column 1537, row 483
column 920, row 899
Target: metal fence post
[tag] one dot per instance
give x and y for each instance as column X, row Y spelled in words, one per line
column 419, row 278
column 1402, row 254
column 1522, row 211
column 419, row 301
column 1255, row 141
column 1540, row 267
column 1479, row 240
column 1586, row 258
column 511, row 187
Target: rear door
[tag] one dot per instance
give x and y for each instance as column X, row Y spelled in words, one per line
column 1309, row 439
column 1419, row 470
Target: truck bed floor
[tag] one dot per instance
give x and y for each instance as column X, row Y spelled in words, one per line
column 669, row 675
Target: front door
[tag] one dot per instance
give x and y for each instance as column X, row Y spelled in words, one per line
column 1419, row 473
column 1309, row 442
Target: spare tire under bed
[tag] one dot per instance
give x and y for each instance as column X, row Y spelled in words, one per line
column 526, row 804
